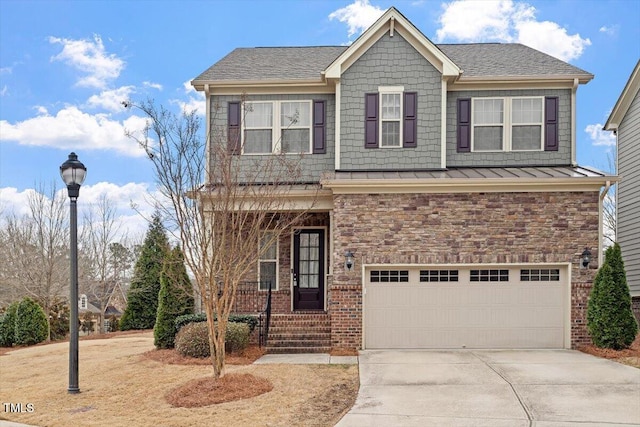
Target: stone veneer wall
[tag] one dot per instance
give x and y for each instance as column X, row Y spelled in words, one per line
column 473, row 228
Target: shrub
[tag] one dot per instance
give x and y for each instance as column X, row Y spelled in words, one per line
column 114, row 323
column 236, row 337
column 175, row 299
column 193, row 339
column 610, row 320
column 31, row 323
column 251, row 321
column 59, row 315
column 8, row 326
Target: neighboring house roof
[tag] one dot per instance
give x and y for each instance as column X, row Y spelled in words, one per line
column 476, row 61
column 90, row 308
column 624, row 102
column 480, row 178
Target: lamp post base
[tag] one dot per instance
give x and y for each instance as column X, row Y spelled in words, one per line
column 73, row 390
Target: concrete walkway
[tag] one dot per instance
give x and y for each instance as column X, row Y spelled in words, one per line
column 307, row 359
column 514, row 388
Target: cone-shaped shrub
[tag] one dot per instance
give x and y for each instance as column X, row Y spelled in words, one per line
column 142, row 298
column 175, row 299
column 31, row 323
column 8, row 326
column 610, row 320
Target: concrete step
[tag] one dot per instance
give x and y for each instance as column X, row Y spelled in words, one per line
column 284, row 350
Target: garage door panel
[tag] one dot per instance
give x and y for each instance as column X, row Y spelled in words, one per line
column 465, row 314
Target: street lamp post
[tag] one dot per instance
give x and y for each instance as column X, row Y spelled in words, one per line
column 73, row 173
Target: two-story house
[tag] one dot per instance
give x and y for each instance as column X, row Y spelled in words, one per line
column 452, row 214
column 625, row 122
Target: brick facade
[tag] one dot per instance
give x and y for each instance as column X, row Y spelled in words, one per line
column 470, row 228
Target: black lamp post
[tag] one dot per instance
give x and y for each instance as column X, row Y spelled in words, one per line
column 73, row 173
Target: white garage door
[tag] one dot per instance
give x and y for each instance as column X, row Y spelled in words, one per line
column 468, row 307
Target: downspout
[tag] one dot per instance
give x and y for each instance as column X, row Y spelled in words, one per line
column 603, row 194
column 574, row 89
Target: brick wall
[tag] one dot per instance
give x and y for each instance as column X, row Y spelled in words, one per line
column 458, row 228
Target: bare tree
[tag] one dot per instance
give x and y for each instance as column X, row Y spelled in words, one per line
column 38, row 240
column 220, row 207
column 99, row 231
column 609, row 214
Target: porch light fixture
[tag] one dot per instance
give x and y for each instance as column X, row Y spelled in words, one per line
column 348, row 260
column 73, row 173
column 585, row 258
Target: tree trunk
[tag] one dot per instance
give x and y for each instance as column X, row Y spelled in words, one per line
column 216, row 345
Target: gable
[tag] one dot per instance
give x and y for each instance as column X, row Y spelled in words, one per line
column 391, row 23
column 627, row 96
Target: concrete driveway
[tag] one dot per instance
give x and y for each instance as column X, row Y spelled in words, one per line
column 550, row 388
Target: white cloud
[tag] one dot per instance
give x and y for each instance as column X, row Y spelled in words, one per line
column 599, row 136
column 4, row 90
column 111, row 100
column 6, row 70
column 90, row 57
column 188, row 87
column 610, row 31
column 193, row 103
column 507, row 21
column 73, row 129
column 152, row 85
column 358, row 16
column 41, row 109
column 130, row 222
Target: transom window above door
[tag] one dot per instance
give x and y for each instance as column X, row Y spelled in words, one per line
column 277, row 127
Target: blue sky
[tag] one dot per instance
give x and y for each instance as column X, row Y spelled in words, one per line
column 65, row 65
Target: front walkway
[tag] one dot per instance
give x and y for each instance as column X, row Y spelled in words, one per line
column 307, row 359
column 510, row 388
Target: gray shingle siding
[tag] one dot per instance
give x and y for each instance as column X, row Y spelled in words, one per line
column 629, row 193
column 313, row 165
column 391, row 61
column 522, row 158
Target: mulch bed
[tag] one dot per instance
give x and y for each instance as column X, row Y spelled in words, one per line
column 209, row 391
column 172, row 357
column 628, row 356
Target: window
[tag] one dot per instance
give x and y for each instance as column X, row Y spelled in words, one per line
column 489, row 276
column 438, row 275
column 390, row 118
column 288, row 132
column 488, row 124
column 390, row 114
column 83, row 302
column 507, row 124
column 268, row 261
column 387, row 276
column 540, row 275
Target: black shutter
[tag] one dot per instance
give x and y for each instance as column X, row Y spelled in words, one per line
column 233, row 127
column 319, row 128
column 551, row 123
column 371, row 120
column 409, row 131
column 463, row 144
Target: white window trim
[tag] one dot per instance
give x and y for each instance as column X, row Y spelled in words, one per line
column 390, row 90
column 275, row 286
column 507, row 124
column 276, row 126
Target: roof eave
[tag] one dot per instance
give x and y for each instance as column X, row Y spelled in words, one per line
column 200, row 84
column 624, row 101
column 567, row 78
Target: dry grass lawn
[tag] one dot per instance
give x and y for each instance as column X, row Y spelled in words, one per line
column 121, row 387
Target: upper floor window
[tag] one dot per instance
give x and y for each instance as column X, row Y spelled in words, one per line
column 266, row 127
column 390, row 118
column 507, row 124
column 288, row 132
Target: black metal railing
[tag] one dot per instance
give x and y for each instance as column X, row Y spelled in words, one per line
column 264, row 320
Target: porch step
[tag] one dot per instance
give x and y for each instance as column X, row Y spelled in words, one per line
column 307, row 332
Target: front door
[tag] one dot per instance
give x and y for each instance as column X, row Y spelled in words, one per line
column 308, row 269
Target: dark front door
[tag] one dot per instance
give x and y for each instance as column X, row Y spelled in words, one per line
column 308, row 269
